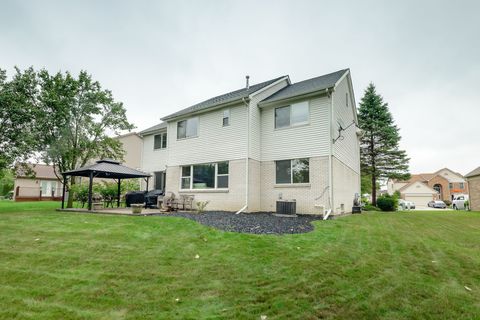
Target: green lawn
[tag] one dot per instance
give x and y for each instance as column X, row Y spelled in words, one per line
column 370, row 266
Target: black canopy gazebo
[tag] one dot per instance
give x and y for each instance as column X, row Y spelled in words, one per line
column 105, row 169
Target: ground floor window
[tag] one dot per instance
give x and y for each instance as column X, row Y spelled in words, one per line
column 159, row 180
column 292, row 171
column 205, row 176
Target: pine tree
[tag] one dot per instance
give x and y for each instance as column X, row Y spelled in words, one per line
column 379, row 150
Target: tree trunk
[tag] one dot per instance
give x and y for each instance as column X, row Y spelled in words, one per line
column 374, row 190
column 70, row 193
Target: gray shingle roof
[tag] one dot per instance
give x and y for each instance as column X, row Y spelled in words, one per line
column 474, row 173
column 153, row 129
column 107, row 169
column 306, row 86
column 224, row 98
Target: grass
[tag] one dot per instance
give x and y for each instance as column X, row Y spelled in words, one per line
column 370, row 266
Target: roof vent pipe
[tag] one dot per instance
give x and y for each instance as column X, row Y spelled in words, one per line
column 248, row 83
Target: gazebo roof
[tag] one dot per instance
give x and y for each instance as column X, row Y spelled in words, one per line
column 107, row 168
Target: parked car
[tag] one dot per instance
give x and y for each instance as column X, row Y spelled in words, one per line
column 458, row 202
column 404, row 204
column 437, row 204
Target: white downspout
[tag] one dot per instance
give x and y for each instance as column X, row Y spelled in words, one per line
column 330, row 159
column 247, row 158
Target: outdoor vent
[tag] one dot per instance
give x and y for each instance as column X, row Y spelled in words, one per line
column 287, row 207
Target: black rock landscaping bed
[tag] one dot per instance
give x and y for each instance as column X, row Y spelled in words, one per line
column 256, row 223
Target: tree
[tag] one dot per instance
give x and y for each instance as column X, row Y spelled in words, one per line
column 73, row 118
column 17, row 119
column 379, row 149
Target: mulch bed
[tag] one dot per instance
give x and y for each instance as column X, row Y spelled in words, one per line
column 256, row 223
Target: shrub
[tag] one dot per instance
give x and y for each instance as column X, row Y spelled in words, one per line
column 448, row 202
column 387, row 203
column 369, row 207
column 201, row 205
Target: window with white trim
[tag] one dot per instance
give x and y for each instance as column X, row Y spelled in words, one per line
column 160, row 141
column 292, row 115
column 187, row 128
column 461, row 185
column 205, row 176
column 226, row 118
column 292, row 171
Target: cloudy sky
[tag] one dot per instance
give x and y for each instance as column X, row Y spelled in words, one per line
column 160, row 56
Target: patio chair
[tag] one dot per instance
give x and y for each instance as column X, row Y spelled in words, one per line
column 188, row 202
column 169, row 202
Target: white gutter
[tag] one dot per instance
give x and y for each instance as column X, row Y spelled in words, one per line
column 247, row 158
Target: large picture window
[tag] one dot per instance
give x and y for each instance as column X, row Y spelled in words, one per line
column 292, row 171
column 187, row 128
column 160, row 141
column 293, row 115
column 205, row 176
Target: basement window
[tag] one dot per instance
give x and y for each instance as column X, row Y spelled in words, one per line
column 292, row 171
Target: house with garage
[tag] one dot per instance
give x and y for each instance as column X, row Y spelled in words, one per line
column 422, row 188
column 275, row 140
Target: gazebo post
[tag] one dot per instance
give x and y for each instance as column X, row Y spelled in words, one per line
column 90, row 185
column 118, row 193
column 147, row 191
column 63, row 191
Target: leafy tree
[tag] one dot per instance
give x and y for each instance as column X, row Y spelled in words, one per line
column 18, row 139
column 6, row 182
column 379, row 149
column 72, row 118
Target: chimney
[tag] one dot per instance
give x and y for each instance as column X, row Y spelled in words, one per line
column 248, row 84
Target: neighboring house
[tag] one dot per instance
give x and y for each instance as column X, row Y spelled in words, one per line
column 244, row 150
column 442, row 185
column 44, row 186
column 473, row 179
column 133, row 146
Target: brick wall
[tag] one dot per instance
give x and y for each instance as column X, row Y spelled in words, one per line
column 231, row 200
column 304, row 194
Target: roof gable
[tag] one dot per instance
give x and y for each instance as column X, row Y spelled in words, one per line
column 226, row 98
column 417, row 187
column 450, row 175
column 42, row 171
column 306, row 86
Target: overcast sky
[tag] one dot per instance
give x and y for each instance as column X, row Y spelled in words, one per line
column 159, row 57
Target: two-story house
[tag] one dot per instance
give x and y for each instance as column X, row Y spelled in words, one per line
column 245, row 149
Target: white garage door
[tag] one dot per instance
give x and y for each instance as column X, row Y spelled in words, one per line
column 420, row 201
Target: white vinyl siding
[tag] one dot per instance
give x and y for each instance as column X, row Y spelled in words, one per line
column 256, row 121
column 214, row 142
column 297, row 142
column 346, row 149
column 153, row 160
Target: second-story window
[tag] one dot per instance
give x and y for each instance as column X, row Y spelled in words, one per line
column 187, row 128
column 292, row 115
column 226, row 118
column 461, row 185
column 450, row 185
column 160, row 141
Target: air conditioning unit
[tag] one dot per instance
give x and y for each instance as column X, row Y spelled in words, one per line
column 286, row 207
